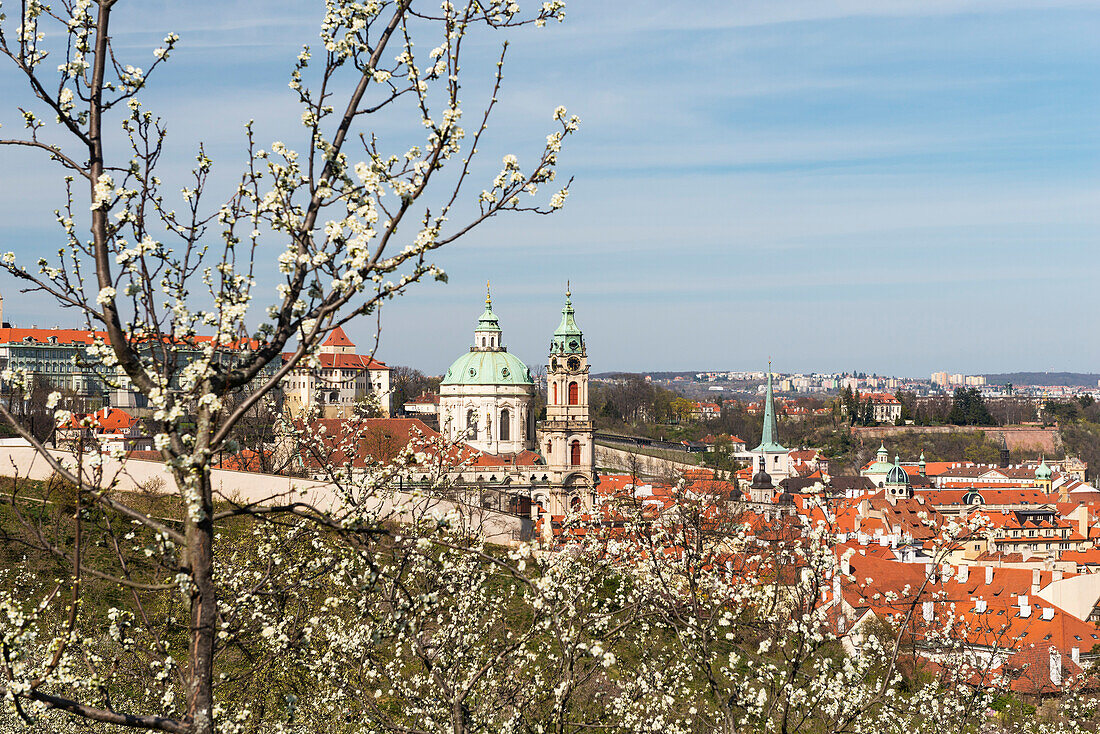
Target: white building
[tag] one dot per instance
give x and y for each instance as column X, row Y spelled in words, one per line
column 342, row 380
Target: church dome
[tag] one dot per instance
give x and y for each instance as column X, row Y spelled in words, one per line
column 1043, row 472
column 897, row 474
column 488, row 361
column 882, row 463
column 488, row 368
column 761, row 479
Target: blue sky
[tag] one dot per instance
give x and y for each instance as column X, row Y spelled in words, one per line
column 893, row 187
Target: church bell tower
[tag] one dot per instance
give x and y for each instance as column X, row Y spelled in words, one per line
column 567, row 434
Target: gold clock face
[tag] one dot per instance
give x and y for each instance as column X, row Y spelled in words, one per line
column 574, row 364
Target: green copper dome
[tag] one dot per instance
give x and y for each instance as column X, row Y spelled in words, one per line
column 488, row 362
column 488, row 368
column 1044, row 472
column 881, row 465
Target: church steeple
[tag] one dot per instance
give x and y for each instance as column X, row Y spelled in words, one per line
column 769, row 437
column 487, row 333
column 567, row 437
column 568, row 338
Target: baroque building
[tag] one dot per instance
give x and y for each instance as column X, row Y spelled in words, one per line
column 487, row 402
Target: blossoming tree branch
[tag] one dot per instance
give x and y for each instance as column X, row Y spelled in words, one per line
column 172, row 289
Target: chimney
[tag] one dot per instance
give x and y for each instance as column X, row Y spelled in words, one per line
column 1048, row 614
column 1057, row 574
column 989, row 574
column 928, row 610
column 1075, row 655
column 964, row 574
column 1082, row 513
column 1036, row 579
column 845, row 565
column 1055, row 667
column 1022, row 600
column 1025, row 611
column 980, row 606
column 930, row 572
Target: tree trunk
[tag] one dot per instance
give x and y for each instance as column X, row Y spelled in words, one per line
column 204, row 611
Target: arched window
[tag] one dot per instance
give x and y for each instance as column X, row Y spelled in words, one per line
column 575, row 504
column 471, row 423
column 549, row 447
column 554, row 394
column 483, row 341
column 574, row 393
column 505, row 425
column 575, row 453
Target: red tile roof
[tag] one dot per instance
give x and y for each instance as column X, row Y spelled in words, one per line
column 107, row 420
column 345, row 361
column 13, row 335
column 64, row 336
column 337, row 338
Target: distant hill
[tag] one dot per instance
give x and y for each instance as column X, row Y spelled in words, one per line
column 1082, row 379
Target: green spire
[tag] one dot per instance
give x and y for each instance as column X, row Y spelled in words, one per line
column 568, row 338
column 769, row 438
column 488, row 320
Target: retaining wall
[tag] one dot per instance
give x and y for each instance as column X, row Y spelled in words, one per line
column 1030, row 438
column 264, row 489
column 643, row 464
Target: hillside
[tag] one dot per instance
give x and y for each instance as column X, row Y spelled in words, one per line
column 1069, row 379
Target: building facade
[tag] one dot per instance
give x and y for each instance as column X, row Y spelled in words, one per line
column 342, row 381
column 59, row 357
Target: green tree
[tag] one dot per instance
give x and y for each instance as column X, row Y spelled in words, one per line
column 407, row 383
column 968, row 408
